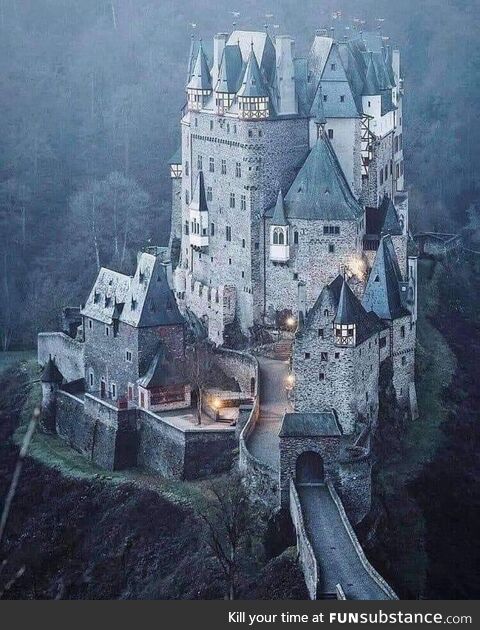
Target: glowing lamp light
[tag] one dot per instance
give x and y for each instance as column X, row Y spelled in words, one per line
column 290, row 381
column 291, row 322
column 216, row 403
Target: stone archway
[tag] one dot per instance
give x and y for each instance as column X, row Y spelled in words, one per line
column 309, row 468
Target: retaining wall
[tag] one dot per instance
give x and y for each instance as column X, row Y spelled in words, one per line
column 305, row 551
column 67, row 352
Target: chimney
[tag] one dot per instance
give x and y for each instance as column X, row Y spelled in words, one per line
column 284, row 52
column 219, row 42
column 396, row 65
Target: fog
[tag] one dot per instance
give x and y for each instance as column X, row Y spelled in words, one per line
column 90, row 100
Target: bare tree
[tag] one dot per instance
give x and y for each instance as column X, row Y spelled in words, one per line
column 198, row 365
column 228, row 529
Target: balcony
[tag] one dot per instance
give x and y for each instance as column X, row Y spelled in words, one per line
column 280, row 253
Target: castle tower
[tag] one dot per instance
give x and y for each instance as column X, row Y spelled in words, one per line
column 199, row 86
column 279, row 238
column 51, row 379
column 253, row 96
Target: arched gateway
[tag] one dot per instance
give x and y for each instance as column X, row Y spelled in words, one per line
column 309, row 468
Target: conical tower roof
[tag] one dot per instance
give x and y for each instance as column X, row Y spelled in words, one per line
column 382, row 294
column 199, row 199
column 253, row 85
column 371, row 86
column 349, row 310
column 279, row 217
column 230, row 70
column 201, row 78
column 51, row 373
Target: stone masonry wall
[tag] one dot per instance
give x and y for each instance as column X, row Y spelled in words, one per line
column 310, row 262
column 67, row 352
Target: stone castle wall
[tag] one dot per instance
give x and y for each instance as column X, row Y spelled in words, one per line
column 67, row 352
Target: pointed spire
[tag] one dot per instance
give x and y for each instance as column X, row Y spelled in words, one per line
column 200, row 78
column 349, row 310
column 230, row 70
column 51, row 373
column 199, row 199
column 370, row 86
column 318, row 110
column 191, row 57
column 382, row 294
column 253, row 85
column 279, row 217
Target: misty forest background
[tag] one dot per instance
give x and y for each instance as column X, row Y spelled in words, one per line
column 90, row 100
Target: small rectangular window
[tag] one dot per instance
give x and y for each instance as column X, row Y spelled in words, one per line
column 243, row 202
column 90, row 324
column 232, row 200
column 331, row 248
column 243, row 243
column 107, row 331
column 307, row 355
column 321, row 376
column 228, row 233
column 211, row 125
column 402, row 332
column 321, row 333
column 325, row 98
column 383, row 342
column 209, row 193
column 238, row 169
column 199, row 163
column 324, row 356
column 333, row 66
column 295, row 276
column 337, row 355
column 211, row 165
column 342, row 99
column 330, row 133
column 224, row 167
column 212, row 229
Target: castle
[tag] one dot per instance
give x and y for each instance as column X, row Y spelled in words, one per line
column 289, row 213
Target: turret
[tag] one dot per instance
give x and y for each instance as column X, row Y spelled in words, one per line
column 51, row 379
column 253, row 96
column 199, row 215
column 228, row 75
column 279, row 239
column 199, row 86
column 345, row 320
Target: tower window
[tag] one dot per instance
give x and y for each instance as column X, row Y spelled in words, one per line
column 211, row 125
column 232, row 200
column 324, row 356
column 337, row 355
column 90, row 324
column 342, row 98
column 321, row 376
column 238, row 169
column 128, row 356
column 330, row 133
column 243, row 202
column 209, row 193
column 321, row 333
column 325, row 98
column 295, row 238
column 187, row 228
column 187, row 197
column 211, row 165
column 243, row 243
column 199, row 163
column 402, row 332
column 333, row 66
column 228, row 233
column 307, row 355
column 404, row 360
column 331, row 248
column 186, row 168
column 91, row 378
column 224, row 167
column 212, row 229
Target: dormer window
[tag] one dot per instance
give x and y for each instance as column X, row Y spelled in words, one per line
column 333, row 66
column 96, row 297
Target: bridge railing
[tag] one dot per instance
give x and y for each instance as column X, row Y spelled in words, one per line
column 376, row 577
column 307, row 557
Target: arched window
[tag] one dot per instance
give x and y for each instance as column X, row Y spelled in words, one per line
column 281, row 238
column 276, row 233
column 325, row 312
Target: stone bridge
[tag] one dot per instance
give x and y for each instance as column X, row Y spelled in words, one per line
column 332, row 559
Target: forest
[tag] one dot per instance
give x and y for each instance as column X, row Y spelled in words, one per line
column 90, row 100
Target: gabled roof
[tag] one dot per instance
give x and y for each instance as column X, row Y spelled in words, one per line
column 382, row 294
column 308, row 424
column 163, row 371
column 279, row 212
column 320, row 190
column 51, row 373
column 150, row 301
column 176, row 157
column 263, row 47
column 200, row 78
column 317, row 110
column 340, row 101
column 253, row 85
column 110, row 288
column 199, row 199
column 140, row 301
column 371, row 86
column 230, row 70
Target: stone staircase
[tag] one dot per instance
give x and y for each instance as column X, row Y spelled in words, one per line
column 280, row 350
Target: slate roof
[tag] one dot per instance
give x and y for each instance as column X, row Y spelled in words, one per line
column 279, row 212
column 317, row 108
column 176, row 157
column 51, row 373
column 200, row 78
column 263, row 47
column 199, row 199
column 163, row 371
column 320, row 190
column 140, row 301
column 382, row 294
column 308, row 424
column 340, row 101
column 351, row 311
column 384, row 219
column 230, row 70
column 253, row 85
